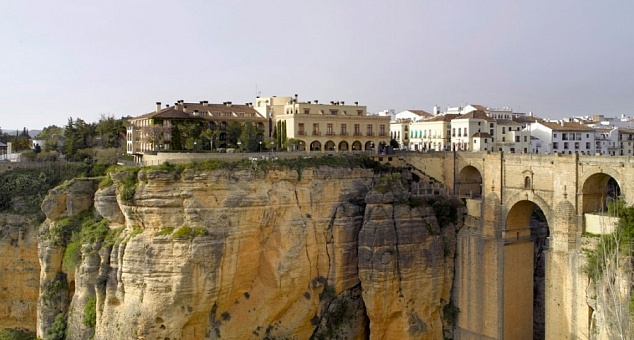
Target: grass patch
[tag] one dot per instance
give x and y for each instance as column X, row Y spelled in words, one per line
column 186, row 232
column 165, row 231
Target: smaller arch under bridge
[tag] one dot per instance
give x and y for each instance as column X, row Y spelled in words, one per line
column 519, row 262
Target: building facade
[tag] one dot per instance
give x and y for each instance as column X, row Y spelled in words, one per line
column 333, row 127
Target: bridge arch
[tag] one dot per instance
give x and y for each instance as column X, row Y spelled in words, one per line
column 597, row 190
column 525, row 238
column 469, row 181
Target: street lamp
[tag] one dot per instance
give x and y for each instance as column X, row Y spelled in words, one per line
column 260, row 146
column 239, row 144
column 194, row 146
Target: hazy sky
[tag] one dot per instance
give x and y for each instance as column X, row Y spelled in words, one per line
column 83, row 59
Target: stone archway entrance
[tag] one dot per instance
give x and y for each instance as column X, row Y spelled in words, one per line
column 525, row 243
column 470, row 182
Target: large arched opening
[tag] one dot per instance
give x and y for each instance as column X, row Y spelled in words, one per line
column 469, row 182
column 315, row 146
column 330, row 146
column 600, row 195
column 525, row 240
column 599, row 191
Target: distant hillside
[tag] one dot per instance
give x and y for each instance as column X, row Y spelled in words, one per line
column 32, row 133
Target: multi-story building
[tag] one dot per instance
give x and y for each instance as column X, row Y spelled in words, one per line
column 614, row 142
column 431, row 134
column 399, row 132
column 465, row 126
column 333, row 127
column 564, row 137
column 198, row 126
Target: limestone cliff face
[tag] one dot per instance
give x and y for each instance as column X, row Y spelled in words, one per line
column 19, row 272
column 247, row 254
column 273, row 245
column 56, row 281
column 406, row 268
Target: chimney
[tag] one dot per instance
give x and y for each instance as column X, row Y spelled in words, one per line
column 158, row 106
column 332, row 102
column 343, row 103
column 356, row 103
column 316, row 102
column 195, row 112
column 185, row 108
column 295, row 97
column 228, row 104
column 205, row 103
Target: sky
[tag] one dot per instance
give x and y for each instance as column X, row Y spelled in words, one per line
column 85, row 59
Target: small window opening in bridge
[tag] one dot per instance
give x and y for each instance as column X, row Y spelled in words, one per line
column 527, row 182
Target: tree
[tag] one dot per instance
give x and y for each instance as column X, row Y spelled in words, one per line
column 234, row 130
column 249, row 138
column 111, row 132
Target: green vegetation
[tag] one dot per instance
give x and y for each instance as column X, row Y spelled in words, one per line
column 51, row 290
column 22, row 190
column 165, row 231
column 58, row 329
column 450, row 314
column 185, row 232
column 445, row 209
column 16, row 334
column 619, row 243
column 90, row 312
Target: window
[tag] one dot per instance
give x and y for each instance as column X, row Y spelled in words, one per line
column 517, row 139
column 300, row 129
column 588, row 145
column 576, row 145
column 333, row 112
column 503, row 129
column 344, row 130
column 490, row 125
column 306, row 111
column 555, row 145
column 527, row 182
column 369, row 130
column 525, row 138
column 357, row 130
column 329, row 129
column 503, row 139
column 479, row 123
column 565, row 145
column 382, row 130
column 316, row 129
column 554, row 135
column 359, row 112
column 491, row 132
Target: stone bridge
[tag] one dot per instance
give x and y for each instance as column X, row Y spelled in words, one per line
column 519, row 262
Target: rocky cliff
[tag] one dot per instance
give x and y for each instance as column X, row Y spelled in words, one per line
column 19, row 272
column 324, row 252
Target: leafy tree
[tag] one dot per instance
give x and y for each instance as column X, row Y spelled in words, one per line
column 249, row 138
column 234, row 130
column 111, row 132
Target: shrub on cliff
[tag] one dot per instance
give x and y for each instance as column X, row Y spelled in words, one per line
column 16, row 334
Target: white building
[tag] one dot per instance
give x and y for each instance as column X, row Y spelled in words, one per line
column 431, row 134
column 564, row 137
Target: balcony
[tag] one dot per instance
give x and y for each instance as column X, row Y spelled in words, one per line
column 369, row 133
column 330, row 133
column 344, row 133
column 316, row 133
column 301, row 133
column 357, row 133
